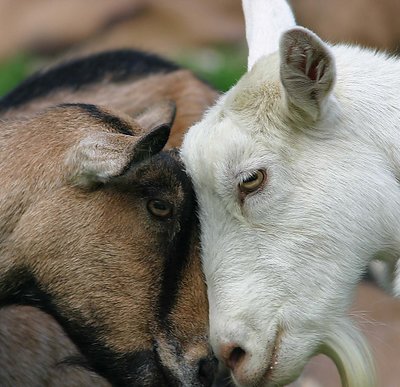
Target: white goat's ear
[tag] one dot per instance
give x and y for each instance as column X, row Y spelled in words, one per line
column 101, row 156
column 307, row 71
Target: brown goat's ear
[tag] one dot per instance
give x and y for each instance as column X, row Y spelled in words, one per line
column 151, row 143
column 99, row 157
column 159, row 114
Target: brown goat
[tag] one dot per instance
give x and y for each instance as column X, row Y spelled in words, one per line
column 77, row 235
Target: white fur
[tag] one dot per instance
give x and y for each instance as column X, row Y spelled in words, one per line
column 286, row 260
column 265, row 22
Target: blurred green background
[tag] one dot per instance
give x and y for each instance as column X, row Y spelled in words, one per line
column 221, row 66
column 14, row 70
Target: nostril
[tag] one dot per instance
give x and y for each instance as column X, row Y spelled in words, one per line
column 232, row 355
column 235, row 357
column 207, row 371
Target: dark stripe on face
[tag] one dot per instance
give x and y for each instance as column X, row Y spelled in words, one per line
column 167, row 173
column 112, row 66
column 107, row 119
column 138, row 369
column 178, row 249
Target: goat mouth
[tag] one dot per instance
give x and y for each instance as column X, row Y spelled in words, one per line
column 274, row 356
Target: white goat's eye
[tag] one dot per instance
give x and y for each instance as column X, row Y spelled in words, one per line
column 160, row 208
column 253, row 182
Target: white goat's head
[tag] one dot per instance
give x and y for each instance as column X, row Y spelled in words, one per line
column 293, row 203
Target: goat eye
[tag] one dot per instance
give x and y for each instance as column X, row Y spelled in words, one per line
column 160, row 208
column 253, row 182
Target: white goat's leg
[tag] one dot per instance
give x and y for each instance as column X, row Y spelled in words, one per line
column 265, row 21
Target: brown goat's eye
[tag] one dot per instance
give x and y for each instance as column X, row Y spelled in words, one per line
column 160, row 208
column 253, row 181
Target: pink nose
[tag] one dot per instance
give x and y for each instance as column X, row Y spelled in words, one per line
column 232, row 355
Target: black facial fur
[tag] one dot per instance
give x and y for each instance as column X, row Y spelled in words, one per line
column 150, row 144
column 166, row 171
column 179, row 246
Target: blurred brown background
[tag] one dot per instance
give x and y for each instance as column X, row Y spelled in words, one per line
column 207, row 35
column 172, row 26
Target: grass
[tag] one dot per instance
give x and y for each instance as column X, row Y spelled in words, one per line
column 14, row 70
column 221, row 67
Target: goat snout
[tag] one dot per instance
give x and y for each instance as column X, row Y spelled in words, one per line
column 232, row 355
column 249, row 358
column 191, row 366
column 245, row 368
column 207, row 370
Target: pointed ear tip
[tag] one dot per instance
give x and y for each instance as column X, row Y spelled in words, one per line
column 173, row 107
column 168, row 104
column 160, row 133
column 169, row 107
column 164, row 129
column 295, row 33
column 288, row 38
column 171, row 103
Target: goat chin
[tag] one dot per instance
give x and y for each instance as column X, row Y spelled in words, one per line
column 349, row 350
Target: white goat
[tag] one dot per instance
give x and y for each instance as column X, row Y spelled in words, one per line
column 297, row 174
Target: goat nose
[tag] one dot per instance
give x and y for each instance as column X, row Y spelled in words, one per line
column 232, row 355
column 208, row 367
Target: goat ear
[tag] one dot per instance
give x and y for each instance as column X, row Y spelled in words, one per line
column 307, row 71
column 101, row 156
column 157, row 115
column 151, row 143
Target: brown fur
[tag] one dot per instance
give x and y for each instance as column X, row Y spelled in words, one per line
column 32, row 349
column 86, row 249
column 191, row 96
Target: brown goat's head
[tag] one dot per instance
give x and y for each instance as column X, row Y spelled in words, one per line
column 98, row 228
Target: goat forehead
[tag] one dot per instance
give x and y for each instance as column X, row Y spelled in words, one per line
column 250, row 111
column 210, row 155
column 258, row 96
column 162, row 174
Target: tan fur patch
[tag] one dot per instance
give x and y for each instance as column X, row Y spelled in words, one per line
column 97, row 253
column 191, row 96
